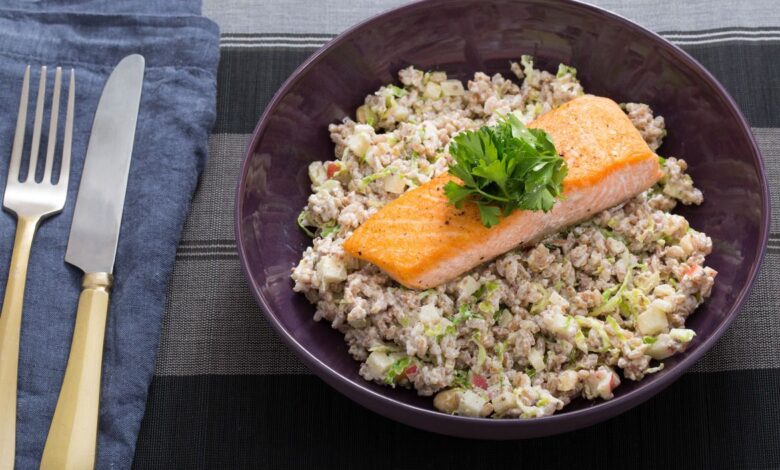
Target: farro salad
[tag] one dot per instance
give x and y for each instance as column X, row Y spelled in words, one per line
column 526, row 333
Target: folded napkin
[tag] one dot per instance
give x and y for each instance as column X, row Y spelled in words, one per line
column 176, row 113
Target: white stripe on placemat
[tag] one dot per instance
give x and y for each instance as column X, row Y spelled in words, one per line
column 721, row 32
column 682, row 35
column 695, row 42
column 271, row 38
column 283, row 41
column 270, row 45
column 270, row 41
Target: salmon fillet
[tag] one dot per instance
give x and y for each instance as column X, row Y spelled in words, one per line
column 422, row 241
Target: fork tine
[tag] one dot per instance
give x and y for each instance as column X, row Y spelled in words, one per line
column 36, row 137
column 55, row 111
column 21, row 123
column 66, row 143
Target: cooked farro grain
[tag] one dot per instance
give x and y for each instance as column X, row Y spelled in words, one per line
column 524, row 334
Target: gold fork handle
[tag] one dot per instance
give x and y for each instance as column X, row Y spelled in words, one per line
column 10, row 327
column 72, row 439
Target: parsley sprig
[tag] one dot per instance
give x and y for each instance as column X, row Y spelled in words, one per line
column 503, row 168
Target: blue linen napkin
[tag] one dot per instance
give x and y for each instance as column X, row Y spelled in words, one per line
column 176, row 114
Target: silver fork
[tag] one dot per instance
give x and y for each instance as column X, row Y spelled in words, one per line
column 31, row 201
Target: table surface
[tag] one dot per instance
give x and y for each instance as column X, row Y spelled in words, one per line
column 228, row 394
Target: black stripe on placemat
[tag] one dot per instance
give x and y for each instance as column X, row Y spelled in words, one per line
column 248, row 78
column 246, row 81
column 751, row 74
column 715, row 420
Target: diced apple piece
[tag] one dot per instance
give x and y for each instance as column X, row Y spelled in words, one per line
column 362, row 113
column 317, row 173
column 662, row 305
column 504, row 318
column 504, row 402
column 661, row 348
column 567, row 380
column 429, row 314
column 452, row 88
column 468, row 285
column 601, row 383
column 682, row 335
column 432, row 91
column 379, row 363
column 364, row 129
column 560, row 325
column 401, row 113
column 358, row 143
column 471, row 404
column 652, row 321
column 394, row 184
column 329, row 186
column 536, row 358
column 331, row 269
column 669, row 344
column 664, row 290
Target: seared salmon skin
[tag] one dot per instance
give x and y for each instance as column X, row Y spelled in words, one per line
column 422, row 241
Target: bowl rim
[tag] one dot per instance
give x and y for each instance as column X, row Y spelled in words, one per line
column 436, row 421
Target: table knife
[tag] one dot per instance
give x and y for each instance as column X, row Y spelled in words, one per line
column 94, row 234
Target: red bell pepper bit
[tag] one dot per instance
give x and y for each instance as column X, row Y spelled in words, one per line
column 333, row 168
column 479, row 381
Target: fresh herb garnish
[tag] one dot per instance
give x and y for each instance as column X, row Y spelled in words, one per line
column 503, row 168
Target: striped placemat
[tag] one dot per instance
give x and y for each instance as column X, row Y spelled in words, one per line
column 228, row 394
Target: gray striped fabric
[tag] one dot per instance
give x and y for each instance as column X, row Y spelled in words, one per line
column 308, row 17
column 212, row 324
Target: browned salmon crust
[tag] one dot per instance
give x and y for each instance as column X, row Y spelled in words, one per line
column 422, row 241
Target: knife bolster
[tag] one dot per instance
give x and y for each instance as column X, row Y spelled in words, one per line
column 97, row 281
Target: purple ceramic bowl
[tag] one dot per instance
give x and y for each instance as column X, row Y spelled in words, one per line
column 614, row 57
